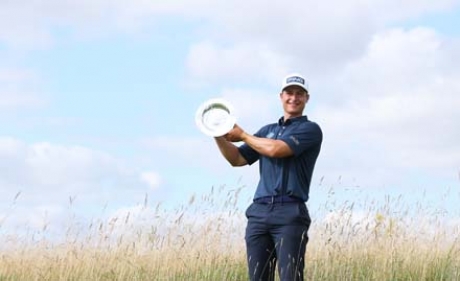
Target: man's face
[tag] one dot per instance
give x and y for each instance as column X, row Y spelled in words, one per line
column 294, row 99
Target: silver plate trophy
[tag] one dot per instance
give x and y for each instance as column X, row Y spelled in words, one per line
column 215, row 117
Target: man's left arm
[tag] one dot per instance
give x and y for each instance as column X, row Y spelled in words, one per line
column 264, row 146
column 268, row 147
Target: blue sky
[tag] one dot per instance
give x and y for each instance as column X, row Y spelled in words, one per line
column 98, row 98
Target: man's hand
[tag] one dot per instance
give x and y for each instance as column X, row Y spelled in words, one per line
column 235, row 135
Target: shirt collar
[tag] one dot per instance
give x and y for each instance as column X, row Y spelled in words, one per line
column 292, row 120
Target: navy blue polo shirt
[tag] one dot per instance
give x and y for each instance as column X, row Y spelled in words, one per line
column 288, row 175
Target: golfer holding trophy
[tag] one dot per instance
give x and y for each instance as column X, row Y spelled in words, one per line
column 278, row 219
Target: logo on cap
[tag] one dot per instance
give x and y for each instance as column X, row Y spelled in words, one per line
column 295, row 79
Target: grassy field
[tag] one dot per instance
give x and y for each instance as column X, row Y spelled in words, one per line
column 202, row 240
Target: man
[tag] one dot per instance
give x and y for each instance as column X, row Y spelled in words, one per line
column 278, row 219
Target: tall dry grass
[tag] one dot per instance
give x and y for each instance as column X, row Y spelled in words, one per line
column 388, row 241
column 203, row 240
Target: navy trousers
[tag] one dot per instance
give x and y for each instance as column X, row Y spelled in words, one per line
column 276, row 234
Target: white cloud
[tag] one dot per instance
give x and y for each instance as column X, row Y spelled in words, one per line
column 398, row 62
column 340, row 28
column 394, row 108
column 151, row 178
column 208, row 63
column 56, row 165
column 52, row 177
column 329, row 35
column 43, row 183
column 395, row 11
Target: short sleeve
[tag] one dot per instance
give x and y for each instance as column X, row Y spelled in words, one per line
column 248, row 152
column 306, row 136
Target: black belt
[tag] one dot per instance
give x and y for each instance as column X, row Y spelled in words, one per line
column 278, row 199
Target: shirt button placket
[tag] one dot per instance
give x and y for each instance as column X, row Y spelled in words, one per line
column 281, row 131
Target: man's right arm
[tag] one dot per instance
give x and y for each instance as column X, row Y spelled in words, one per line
column 230, row 152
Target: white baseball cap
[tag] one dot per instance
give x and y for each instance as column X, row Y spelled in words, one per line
column 294, row 79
